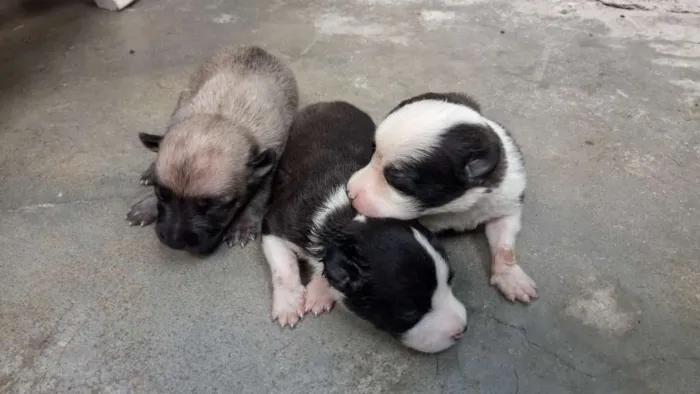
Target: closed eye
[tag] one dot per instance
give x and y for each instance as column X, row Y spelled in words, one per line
column 203, row 203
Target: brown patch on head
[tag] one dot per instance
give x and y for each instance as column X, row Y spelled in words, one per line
column 204, row 156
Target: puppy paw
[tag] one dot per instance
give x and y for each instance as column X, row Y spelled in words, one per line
column 148, row 175
column 245, row 229
column 514, row 283
column 288, row 305
column 143, row 212
column 318, row 296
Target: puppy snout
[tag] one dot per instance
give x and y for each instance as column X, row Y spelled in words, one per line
column 175, row 241
column 350, row 194
column 191, row 239
column 180, row 240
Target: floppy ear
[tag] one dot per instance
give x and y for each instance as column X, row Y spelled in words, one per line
column 150, row 141
column 482, row 161
column 342, row 273
column 262, row 163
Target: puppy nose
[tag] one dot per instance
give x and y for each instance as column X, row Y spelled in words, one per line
column 191, row 239
column 176, row 242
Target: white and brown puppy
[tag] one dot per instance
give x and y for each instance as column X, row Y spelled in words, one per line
column 390, row 272
column 437, row 158
column 213, row 173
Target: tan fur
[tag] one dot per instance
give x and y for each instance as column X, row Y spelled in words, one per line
column 242, row 97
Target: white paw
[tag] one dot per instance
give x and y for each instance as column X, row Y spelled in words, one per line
column 288, row 305
column 514, row 283
column 318, row 296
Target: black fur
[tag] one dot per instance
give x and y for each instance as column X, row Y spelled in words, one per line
column 150, row 141
column 467, row 156
column 386, row 276
column 199, row 224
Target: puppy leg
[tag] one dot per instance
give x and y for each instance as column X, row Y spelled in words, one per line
column 143, row 212
column 318, row 292
column 248, row 225
column 287, row 291
column 506, row 274
column 147, row 176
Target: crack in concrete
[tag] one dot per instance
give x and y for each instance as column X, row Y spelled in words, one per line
column 648, row 360
column 54, row 204
column 539, row 347
column 623, row 6
column 573, row 367
column 630, row 6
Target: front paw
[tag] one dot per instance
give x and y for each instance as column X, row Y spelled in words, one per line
column 143, row 212
column 245, row 229
column 148, row 175
column 318, row 296
column 513, row 282
column 288, row 305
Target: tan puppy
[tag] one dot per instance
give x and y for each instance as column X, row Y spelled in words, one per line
column 213, row 174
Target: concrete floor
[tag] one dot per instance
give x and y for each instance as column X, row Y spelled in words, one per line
column 604, row 101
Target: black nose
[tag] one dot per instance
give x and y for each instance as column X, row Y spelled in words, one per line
column 191, row 239
column 175, row 242
column 180, row 240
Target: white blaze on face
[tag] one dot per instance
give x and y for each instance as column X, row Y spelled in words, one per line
column 409, row 134
column 437, row 330
column 372, row 196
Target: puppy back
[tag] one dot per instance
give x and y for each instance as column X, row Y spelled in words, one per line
column 251, row 87
column 328, row 141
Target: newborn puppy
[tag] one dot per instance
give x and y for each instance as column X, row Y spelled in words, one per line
column 437, row 158
column 392, row 273
column 213, row 174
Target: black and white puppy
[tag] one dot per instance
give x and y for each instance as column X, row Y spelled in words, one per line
column 437, row 158
column 392, row 273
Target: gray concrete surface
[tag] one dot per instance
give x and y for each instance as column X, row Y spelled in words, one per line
column 605, row 103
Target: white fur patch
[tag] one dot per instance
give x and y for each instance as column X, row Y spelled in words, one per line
column 336, row 200
column 288, row 294
column 360, row 218
column 414, row 130
column 372, row 196
column 448, row 318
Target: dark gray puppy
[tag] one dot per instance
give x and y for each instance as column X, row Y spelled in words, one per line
column 213, row 173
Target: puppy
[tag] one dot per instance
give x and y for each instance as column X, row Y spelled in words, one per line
column 213, row 173
column 392, row 273
column 437, row 158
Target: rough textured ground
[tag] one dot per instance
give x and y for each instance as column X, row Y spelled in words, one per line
column 604, row 101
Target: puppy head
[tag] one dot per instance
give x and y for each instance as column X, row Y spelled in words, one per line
column 205, row 173
column 427, row 154
column 397, row 277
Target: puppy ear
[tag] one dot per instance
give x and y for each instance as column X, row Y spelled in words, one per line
column 262, row 163
column 482, row 161
column 150, row 141
column 342, row 273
